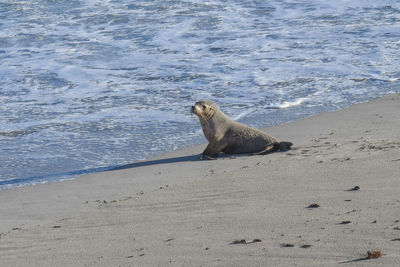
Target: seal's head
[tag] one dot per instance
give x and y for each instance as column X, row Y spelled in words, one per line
column 205, row 109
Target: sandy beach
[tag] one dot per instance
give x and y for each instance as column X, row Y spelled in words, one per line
column 328, row 201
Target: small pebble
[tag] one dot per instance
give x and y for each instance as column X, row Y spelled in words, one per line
column 287, row 245
column 356, row 188
column 243, row 241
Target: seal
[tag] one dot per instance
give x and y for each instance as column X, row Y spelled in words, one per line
column 231, row 137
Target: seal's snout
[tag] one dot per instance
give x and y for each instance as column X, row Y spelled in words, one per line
column 193, row 110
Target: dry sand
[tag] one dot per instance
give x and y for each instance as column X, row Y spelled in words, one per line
column 176, row 210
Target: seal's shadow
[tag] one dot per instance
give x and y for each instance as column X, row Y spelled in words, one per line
column 156, row 162
column 192, row 158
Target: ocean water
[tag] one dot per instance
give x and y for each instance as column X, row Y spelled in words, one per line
column 88, row 85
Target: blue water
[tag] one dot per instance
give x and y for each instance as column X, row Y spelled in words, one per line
column 87, row 85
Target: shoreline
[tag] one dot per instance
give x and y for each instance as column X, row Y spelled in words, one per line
column 179, row 209
column 56, row 177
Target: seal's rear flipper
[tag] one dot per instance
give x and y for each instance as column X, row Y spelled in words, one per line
column 284, row 146
column 267, row 150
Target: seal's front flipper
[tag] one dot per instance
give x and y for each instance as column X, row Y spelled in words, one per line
column 284, row 146
column 207, row 157
column 211, row 152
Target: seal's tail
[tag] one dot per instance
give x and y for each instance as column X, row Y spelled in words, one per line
column 284, row 146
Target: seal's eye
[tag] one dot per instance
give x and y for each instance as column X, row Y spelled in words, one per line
column 204, row 107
